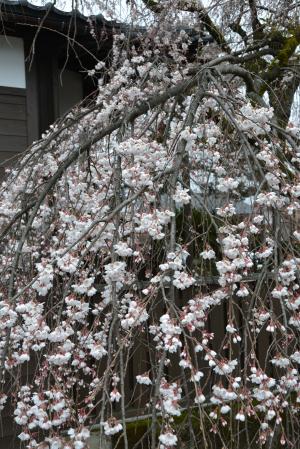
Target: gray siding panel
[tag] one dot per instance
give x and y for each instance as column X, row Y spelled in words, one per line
column 13, row 125
column 13, row 111
column 12, row 99
column 13, row 140
column 15, row 91
column 12, row 143
column 8, row 157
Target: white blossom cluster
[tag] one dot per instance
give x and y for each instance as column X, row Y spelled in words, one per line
column 140, row 228
column 170, row 396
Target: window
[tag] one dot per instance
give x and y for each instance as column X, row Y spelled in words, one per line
column 12, row 67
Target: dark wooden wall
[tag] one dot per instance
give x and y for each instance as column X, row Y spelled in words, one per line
column 13, row 125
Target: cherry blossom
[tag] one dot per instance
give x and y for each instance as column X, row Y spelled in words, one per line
column 153, row 233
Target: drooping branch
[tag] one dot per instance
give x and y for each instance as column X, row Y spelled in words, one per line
column 204, row 18
column 256, row 25
column 281, row 95
column 158, row 231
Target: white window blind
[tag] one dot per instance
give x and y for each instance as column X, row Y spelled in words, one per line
column 12, row 63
